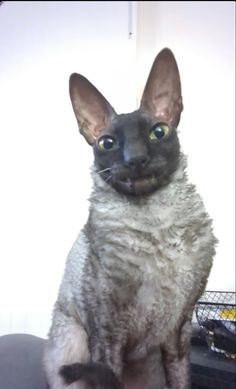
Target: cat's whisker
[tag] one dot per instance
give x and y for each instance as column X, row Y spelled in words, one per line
column 104, row 170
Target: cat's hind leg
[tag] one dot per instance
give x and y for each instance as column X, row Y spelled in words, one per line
column 67, row 344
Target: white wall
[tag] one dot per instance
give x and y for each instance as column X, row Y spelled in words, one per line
column 202, row 37
column 44, row 161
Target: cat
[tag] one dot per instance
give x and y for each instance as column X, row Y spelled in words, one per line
column 123, row 314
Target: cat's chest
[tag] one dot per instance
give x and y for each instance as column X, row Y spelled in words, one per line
column 153, row 245
column 165, row 284
column 161, row 249
column 156, row 260
column 160, row 300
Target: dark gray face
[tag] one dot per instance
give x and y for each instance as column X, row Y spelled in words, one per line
column 136, row 154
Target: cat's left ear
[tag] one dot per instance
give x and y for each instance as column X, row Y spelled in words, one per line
column 162, row 94
column 93, row 112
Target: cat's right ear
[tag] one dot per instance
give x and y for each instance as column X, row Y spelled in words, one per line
column 162, row 94
column 92, row 110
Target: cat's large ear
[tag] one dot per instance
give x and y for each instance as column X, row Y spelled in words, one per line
column 162, row 94
column 92, row 110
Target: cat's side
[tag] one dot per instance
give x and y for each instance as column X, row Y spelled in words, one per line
column 124, row 308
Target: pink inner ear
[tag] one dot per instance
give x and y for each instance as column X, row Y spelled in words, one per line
column 93, row 112
column 168, row 109
column 162, row 94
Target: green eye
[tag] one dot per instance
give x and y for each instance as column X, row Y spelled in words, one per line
column 159, row 131
column 106, row 143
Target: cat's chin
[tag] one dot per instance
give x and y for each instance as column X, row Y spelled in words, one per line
column 137, row 186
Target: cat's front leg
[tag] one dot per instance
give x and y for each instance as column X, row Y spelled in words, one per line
column 67, row 344
column 102, row 371
column 108, row 353
column 175, row 354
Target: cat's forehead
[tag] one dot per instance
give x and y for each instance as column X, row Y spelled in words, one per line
column 133, row 120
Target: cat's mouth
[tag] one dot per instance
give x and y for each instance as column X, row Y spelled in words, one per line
column 134, row 184
column 137, row 186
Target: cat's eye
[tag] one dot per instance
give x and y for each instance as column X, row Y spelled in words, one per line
column 159, row 131
column 106, row 143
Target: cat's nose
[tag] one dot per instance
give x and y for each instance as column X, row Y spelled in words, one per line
column 135, row 154
column 139, row 161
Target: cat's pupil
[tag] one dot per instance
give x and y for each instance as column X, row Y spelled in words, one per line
column 159, row 132
column 108, row 143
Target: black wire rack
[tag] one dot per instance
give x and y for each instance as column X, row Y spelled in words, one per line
column 216, row 316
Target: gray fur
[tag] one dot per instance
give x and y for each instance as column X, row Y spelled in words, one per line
column 130, row 284
column 149, row 262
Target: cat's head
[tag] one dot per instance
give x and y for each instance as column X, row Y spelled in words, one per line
column 135, row 153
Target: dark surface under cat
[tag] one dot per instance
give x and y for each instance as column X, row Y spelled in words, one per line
column 210, row 370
